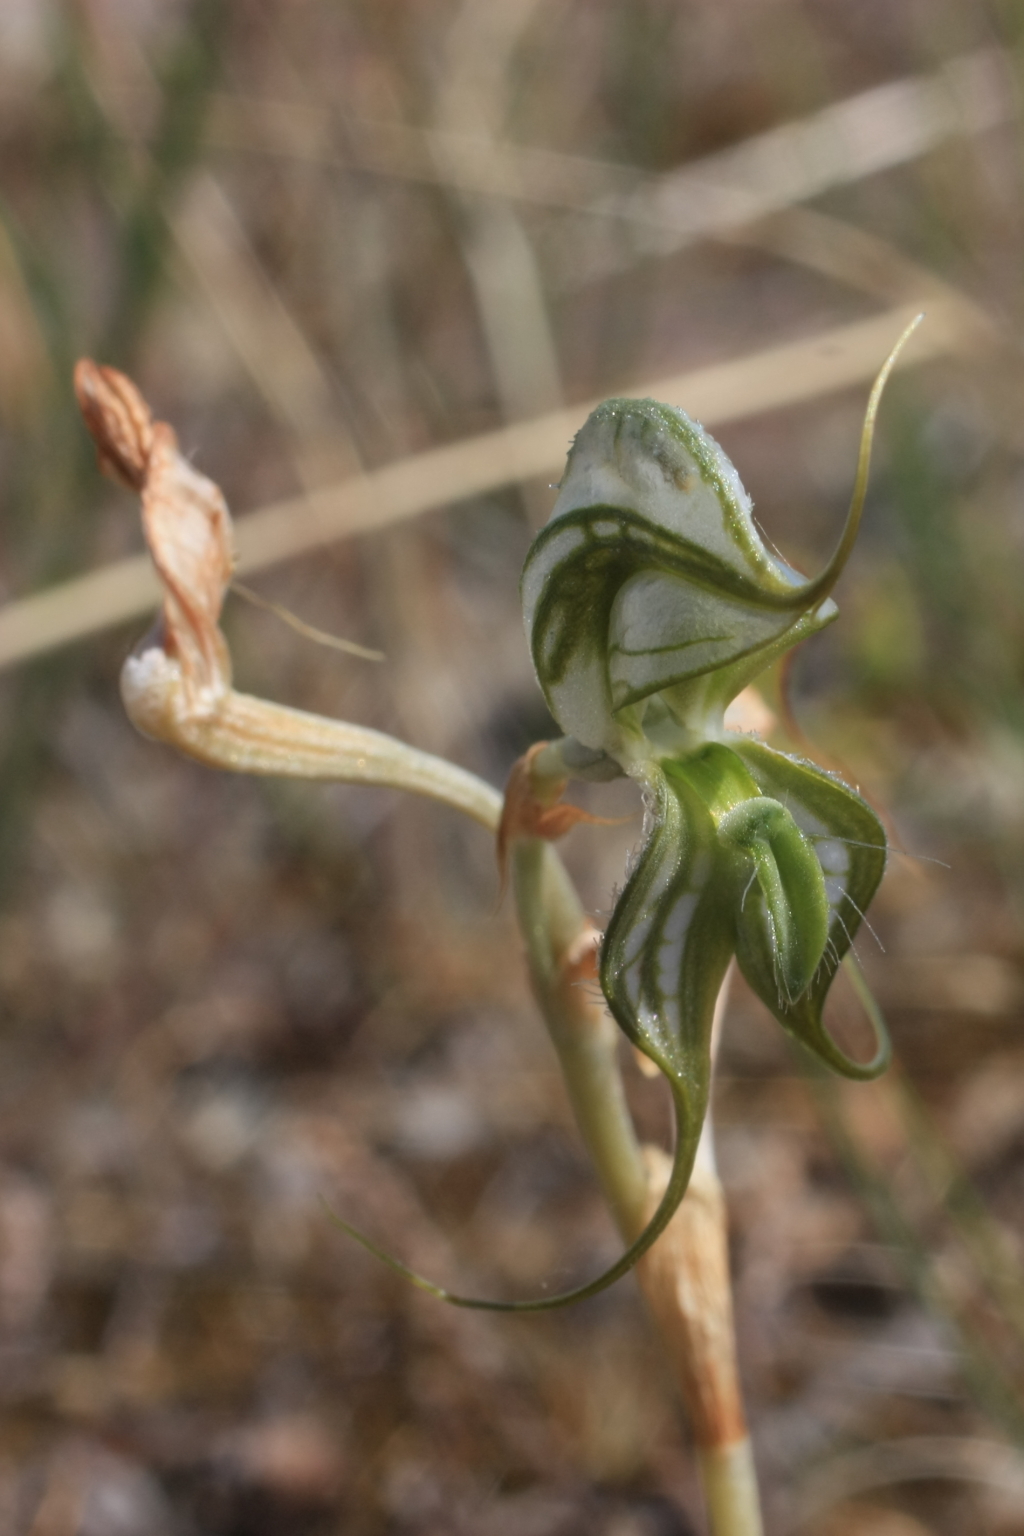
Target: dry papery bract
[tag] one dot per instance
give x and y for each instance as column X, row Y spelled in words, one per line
column 184, row 666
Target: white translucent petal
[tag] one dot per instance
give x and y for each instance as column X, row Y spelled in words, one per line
column 663, row 629
column 637, row 455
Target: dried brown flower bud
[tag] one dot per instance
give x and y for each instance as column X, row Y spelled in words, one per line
column 186, row 669
column 176, row 686
column 118, row 419
column 188, row 530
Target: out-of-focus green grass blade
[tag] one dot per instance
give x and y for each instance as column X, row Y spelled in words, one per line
column 56, row 483
column 964, row 1206
column 996, row 1392
column 186, row 81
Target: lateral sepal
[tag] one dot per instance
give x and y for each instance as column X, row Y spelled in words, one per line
column 849, row 844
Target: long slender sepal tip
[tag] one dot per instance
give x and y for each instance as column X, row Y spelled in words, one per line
column 883, row 1044
column 682, row 1167
column 824, row 583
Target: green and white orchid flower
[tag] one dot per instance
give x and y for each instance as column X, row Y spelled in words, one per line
column 650, row 601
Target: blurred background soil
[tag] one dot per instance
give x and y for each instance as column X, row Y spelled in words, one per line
column 325, row 237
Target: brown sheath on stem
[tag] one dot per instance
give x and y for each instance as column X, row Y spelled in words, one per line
column 534, row 808
column 685, row 1279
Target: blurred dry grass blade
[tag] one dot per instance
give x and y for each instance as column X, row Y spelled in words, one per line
column 872, row 131
column 468, row 162
column 473, row 102
column 262, row 330
column 24, row 365
column 219, row 260
column 768, row 380
column 868, row 133
column 920, row 1458
column 862, row 261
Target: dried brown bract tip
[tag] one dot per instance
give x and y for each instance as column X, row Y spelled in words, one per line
column 188, row 530
column 534, row 808
column 183, row 671
column 118, row 419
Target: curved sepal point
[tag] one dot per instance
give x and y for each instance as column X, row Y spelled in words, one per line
column 821, row 586
column 682, row 1167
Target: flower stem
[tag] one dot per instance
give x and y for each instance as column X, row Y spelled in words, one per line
column 729, row 1481
column 685, row 1276
column 559, row 943
column 245, row 734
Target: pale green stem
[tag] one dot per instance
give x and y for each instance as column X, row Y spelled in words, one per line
column 555, row 927
column 729, row 1479
column 583, row 1034
column 727, row 1472
column 232, row 730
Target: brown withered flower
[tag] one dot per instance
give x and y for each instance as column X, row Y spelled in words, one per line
column 177, row 685
column 184, row 663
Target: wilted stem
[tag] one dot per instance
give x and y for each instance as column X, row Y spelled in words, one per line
column 250, row 735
